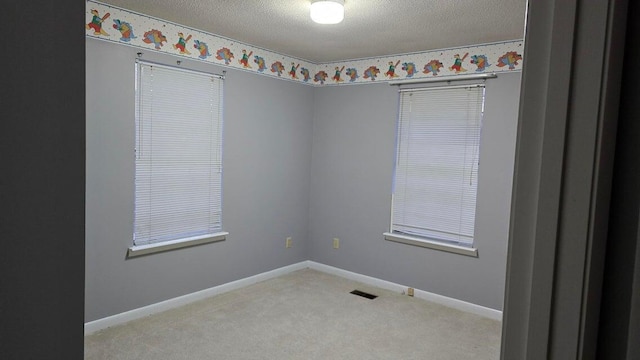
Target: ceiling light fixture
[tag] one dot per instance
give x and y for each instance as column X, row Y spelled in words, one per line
column 327, row 11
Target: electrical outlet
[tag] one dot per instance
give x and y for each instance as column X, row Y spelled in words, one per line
column 288, row 242
column 410, row 291
column 336, row 243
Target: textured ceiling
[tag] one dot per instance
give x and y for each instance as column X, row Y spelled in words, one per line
column 371, row 27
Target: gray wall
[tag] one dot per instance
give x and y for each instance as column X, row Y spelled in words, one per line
column 311, row 163
column 267, row 156
column 351, row 174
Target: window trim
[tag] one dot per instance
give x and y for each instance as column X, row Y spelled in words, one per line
column 431, row 244
column 163, row 246
column 141, row 250
column 431, row 84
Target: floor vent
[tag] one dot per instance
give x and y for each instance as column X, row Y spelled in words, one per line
column 364, row 294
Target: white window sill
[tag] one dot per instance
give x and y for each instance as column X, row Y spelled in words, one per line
column 416, row 241
column 141, row 250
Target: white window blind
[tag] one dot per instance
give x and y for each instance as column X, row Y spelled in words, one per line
column 178, row 154
column 436, row 175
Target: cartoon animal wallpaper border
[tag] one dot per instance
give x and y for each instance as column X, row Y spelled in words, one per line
column 126, row 27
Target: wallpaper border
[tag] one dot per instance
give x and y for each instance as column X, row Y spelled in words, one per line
column 125, row 27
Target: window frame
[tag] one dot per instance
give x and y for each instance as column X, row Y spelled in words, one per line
column 427, row 241
column 187, row 241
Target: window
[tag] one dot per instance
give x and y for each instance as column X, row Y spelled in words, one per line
column 178, row 155
column 437, row 158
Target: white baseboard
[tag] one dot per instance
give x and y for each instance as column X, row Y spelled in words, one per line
column 421, row 294
column 97, row 325
column 93, row 326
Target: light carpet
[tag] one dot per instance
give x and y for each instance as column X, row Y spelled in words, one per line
column 302, row 315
